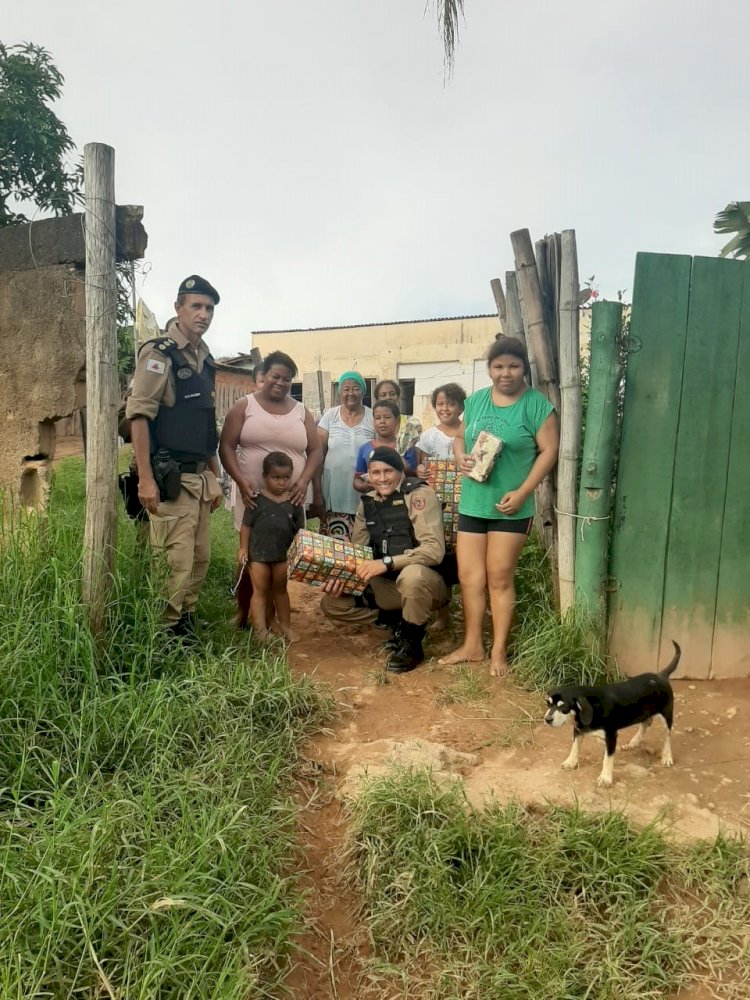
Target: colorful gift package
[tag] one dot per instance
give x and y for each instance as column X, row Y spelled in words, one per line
column 315, row 558
column 445, row 479
column 486, row 451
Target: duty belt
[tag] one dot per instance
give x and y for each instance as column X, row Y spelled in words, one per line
column 193, row 466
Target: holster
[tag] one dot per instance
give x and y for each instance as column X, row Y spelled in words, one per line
column 166, row 474
column 128, row 483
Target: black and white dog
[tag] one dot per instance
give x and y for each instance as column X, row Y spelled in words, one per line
column 612, row 707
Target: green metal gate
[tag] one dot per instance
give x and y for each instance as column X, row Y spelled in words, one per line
column 680, row 556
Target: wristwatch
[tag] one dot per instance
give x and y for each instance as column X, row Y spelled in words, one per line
column 388, row 561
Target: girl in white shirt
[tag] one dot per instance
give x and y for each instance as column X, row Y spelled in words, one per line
column 437, row 442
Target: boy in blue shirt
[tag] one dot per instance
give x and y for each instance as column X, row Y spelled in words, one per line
column 386, row 419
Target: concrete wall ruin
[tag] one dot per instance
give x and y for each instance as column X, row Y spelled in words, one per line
column 43, row 336
column 43, row 331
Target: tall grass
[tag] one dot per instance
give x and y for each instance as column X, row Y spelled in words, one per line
column 145, row 820
column 546, row 649
column 540, row 905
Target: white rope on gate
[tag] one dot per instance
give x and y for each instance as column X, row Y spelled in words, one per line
column 585, row 519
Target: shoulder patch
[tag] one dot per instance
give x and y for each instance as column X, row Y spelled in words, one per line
column 417, row 503
column 155, row 366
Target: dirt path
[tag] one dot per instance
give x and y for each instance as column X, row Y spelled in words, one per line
column 497, row 746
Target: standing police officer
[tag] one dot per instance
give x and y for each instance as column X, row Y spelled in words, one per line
column 173, row 429
column 401, row 518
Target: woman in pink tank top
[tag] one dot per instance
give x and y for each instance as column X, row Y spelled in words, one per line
column 269, row 420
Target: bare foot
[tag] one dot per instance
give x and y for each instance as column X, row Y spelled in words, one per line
column 289, row 634
column 464, row 654
column 442, row 620
column 498, row 665
column 273, row 626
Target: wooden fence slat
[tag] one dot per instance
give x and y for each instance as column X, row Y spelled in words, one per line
column 642, row 509
column 731, row 648
column 700, row 463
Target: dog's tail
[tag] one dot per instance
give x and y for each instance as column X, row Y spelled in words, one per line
column 670, row 669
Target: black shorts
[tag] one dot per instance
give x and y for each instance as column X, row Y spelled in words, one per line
column 481, row 525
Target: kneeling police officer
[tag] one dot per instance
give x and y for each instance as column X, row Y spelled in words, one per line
column 401, row 518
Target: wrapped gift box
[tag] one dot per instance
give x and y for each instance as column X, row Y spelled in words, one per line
column 486, row 451
column 445, row 479
column 314, row 558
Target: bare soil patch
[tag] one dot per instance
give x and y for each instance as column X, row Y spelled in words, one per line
column 67, row 446
column 498, row 746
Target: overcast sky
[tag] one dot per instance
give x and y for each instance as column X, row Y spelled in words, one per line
column 308, row 159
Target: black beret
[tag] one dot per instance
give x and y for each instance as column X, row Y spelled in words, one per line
column 195, row 285
column 388, row 455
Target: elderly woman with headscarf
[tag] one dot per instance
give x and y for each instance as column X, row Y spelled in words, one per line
column 343, row 430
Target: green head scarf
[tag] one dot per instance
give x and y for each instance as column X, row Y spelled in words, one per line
column 353, row 377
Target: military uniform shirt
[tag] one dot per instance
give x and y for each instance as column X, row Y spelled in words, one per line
column 426, row 516
column 153, row 384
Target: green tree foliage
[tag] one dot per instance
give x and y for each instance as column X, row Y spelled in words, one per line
column 735, row 219
column 125, row 355
column 34, row 143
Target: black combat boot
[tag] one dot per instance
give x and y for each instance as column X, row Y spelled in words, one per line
column 395, row 640
column 409, row 654
column 184, row 629
column 388, row 619
column 177, row 631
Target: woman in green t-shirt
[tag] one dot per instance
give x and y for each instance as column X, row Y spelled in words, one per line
column 495, row 517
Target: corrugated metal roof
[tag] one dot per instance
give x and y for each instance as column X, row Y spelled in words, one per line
column 234, row 359
column 360, row 326
column 233, row 369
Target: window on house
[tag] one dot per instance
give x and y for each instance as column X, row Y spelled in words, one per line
column 296, row 391
column 407, row 395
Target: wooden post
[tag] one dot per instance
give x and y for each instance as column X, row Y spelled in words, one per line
column 539, row 345
column 497, row 290
column 537, row 332
column 134, row 307
column 554, row 254
column 570, row 418
column 513, row 308
column 102, row 394
column 549, row 292
column 514, row 315
column 321, row 394
column 595, row 497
